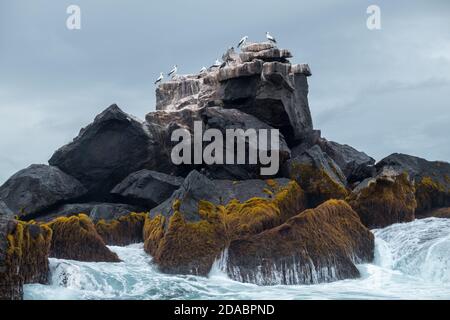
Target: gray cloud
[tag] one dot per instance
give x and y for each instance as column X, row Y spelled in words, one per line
column 380, row 91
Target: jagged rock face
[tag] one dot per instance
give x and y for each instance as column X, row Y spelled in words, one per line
column 384, row 200
column 317, row 174
column 147, row 188
column 24, row 251
column 317, row 245
column 261, row 82
column 5, row 211
column 75, row 238
column 222, row 120
column 355, row 165
column 106, row 151
column 187, row 232
column 37, row 188
column 431, row 178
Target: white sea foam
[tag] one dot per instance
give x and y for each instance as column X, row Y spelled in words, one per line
column 412, row 261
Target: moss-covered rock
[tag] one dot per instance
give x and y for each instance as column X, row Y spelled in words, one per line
column 75, row 238
column 23, row 256
column 317, row 245
column 384, row 200
column 122, row 231
column 186, row 246
column 431, row 194
column 438, row 213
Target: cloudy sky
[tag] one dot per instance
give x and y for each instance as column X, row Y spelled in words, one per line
column 380, row 91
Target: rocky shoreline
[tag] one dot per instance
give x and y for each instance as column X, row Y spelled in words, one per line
column 115, row 184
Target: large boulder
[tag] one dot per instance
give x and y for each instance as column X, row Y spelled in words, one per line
column 108, row 150
column 122, row 231
column 385, row 199
column 75, row 238
column 317, row 245
column 147, row 188
column 4, row 210
column 188, row 232
column 355, row 165
column 37, row 188
column 24, row 251
column 222, row 120
column 318, row 175
column 431, row 178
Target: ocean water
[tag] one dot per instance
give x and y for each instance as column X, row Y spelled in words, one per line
column 412, row 261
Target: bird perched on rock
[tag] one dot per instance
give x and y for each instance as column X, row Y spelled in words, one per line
column 242, row 41
column 217, row 64
column 173, row 72
column 203, row 69
column 270, row 38
column 160, row 78
column 228, row 56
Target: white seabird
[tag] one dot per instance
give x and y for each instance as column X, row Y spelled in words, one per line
column 203, row 69
column 173, row 72
column 243, row 41
column 160, row 78
column 217, row 64
column 270, row 38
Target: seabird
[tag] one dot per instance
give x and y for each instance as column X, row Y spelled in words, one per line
column 173, row 71
column 243, row 41
column 161, row 77
column 270, row 38
column 203, row 69
column 217, row 64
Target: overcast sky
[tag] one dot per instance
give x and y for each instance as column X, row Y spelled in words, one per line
column 380, row 91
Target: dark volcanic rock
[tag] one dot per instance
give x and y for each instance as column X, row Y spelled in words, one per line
column 95, row 211
column 197, row 187
column 318, row 245
column 106, row 151
column 431, row 178
column 37, row 188
column 4, row 210
column 147, row 188
column 356, row 165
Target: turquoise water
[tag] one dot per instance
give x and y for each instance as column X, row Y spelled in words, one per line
column 412, row 262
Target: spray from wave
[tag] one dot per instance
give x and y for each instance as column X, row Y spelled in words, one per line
column 412, row 261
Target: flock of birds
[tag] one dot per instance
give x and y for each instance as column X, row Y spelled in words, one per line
column 217, row 63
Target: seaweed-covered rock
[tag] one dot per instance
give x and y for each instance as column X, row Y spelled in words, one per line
column 355, row 165
column 24, row 251
column 108, row 150
column 122, row 231
column 318, row 175
column 39, row 187
column 431, row 178
column 147, row 188
column 387, row 199
column 189, row 241
column 317, row 245
column 75, row 238
column 439, row 213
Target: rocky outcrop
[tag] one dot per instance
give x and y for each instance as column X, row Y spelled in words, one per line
column 318, row 175
column 317, row 245
column 384, row 200
column 431, row 178
column 75, row 238
column 122, row 231
column 147, row 188
column 355, row 165
column 443, row 213
column 95, row 210
column 261, row 82
column 37, row 188
column 108, row 150
column 24, row 251
column 4, row 210
column 187, row 237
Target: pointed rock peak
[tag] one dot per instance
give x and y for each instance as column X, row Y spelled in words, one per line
column 113, row 112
